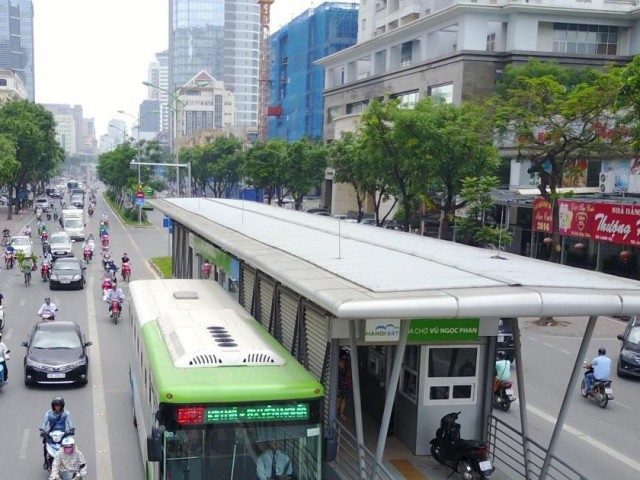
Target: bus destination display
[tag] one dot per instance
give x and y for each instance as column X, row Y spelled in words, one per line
column 257, row 413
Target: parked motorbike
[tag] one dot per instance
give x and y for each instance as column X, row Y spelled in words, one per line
column 469, row 458
column 126, row 272
column 115, row 311
column 3, row 358
column 503, row 396
column 45, row 271
column 601, row 391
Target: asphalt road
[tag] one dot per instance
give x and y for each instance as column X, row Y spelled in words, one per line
column 599, row 443
column 100, row 410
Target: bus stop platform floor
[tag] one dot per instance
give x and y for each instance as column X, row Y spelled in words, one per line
column 399, row 460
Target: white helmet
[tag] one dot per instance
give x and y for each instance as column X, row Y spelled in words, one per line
column 68, row 442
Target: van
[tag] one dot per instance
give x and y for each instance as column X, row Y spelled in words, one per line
column 77, row 200
column 73, row 223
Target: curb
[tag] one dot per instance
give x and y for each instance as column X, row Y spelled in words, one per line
column 156, row 270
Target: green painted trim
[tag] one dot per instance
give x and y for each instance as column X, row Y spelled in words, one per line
column 440, row 329
column 213, row 254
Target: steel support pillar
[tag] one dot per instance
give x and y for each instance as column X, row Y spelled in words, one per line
column 334, row 352
column 524, row 422
column 392, row 388
column 487, row 393
column 357, row 403
column 571, row 387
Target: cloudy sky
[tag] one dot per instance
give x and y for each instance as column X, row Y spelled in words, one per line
column 95, row 53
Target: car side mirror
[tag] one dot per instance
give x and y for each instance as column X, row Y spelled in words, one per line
column 88, row 344
column 620, row 337
column 154, row 445
column 24, row 344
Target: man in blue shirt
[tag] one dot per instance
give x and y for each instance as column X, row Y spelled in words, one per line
column 601, row 369
column 273, row 463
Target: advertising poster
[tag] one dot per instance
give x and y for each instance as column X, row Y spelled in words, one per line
column 634, row 176
column 620, row 169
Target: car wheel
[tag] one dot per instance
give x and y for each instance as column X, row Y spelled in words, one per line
column 619, row 371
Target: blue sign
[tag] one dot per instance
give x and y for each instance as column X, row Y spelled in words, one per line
column 139, row 202
column 167, row 222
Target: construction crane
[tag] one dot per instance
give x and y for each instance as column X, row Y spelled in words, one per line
column 263, row 68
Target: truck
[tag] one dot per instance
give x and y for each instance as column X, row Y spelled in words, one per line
column 73, row 223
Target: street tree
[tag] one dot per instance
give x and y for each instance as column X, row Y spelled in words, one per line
column 475, row 227
column 346, row 158
column 114, row 170
column 303, row 168
column 553, row 125
column 9, row 165
column 31, row 129
column 223, row 160
column 261, row 167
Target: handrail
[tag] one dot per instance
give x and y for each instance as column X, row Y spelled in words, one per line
column 506, row 446
column 346, row 463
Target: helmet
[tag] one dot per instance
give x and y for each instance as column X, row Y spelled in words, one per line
column 501, row 355
column 68, row 442
column 57, row 401
column 47, row 299
column 602, row 351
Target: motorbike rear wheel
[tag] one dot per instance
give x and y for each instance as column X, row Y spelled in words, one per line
column 601, row 398
column 583, row 390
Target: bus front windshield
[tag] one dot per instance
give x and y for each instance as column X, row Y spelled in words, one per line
column 243, row 450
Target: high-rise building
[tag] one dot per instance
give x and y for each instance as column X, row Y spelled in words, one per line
column 74, row 112
column 11, row 86
column 220, row 37
column 159, row 77
column 296, row 82
column 149, row 116
column 16, row 41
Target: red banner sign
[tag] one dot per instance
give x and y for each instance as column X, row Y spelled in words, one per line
column 605, row 222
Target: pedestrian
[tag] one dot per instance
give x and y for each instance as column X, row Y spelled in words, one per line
column 344, row 384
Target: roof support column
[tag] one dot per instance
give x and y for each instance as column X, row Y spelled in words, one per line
column 524, row 422
column 357, row 404
column 571, row 387
column 392, row 388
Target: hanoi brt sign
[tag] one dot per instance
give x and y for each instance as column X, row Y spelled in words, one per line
column 423, row 330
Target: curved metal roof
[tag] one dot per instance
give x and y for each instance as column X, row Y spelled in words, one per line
column 359, row 271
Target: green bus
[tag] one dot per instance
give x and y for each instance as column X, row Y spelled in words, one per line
column 213, row 390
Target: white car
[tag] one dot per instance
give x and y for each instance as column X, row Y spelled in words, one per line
column 22, row 243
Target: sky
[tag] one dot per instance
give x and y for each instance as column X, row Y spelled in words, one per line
column 96, row 53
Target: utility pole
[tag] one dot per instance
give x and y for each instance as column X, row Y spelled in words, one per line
column 263, row 69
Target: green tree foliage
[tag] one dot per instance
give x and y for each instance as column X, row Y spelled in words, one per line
column 261, row 166
column 629, row 98
column 31, row 129
column 473, row 228
column 303, row 168
column 9, row 165
column 224, row 159
column 347, row 158
column 554, row 124
column 114, row 169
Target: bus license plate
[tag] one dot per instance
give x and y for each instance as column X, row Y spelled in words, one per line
column 55, row 375
column 485, row 466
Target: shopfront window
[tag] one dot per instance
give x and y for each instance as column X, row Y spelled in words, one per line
column 409, row 377
column 452, row 375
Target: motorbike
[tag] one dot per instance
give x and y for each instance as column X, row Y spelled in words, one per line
column 6, row 238
column 90, row 211
column 48, row 216
column 126, row 272
column 52, row 443
column 3, row 358
column 69, row 475
column 45, row 271
column 55, row 216
column 8, row 260
column 115, row 310
column 47, row 317
column 44, row 236
column 1, row 317
column 503, row 396
column 469, row 458
column 601, row 391
column 87, row 255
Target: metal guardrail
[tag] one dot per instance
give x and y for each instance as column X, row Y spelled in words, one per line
column 506, row 446
column 347, row 463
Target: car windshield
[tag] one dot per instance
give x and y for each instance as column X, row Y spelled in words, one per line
column 56, row 339
column 20, row 241
column 73, row 223
column 67, row 266
column 59, row 239
column 634, row 335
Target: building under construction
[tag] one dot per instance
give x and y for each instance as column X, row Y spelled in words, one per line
column 296, row 83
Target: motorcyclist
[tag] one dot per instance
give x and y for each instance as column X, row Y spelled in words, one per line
column 6, row 236
column 107, row 285
column 601, row 369
column 46, row 247
column 55, row 419
column 55, row 213
column 4, row 353
column 26, row 267
column 125, row 258
column 115, row 294
column 47, row 308
column 68, row 459
column 111, row 268
column 9, row 252
column 38, row 213
column 41, row 227
column 27, row 231
column 106, row 259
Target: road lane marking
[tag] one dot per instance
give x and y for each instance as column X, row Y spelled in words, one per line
column 22, row 302
column 532, row 338
column 548, row 345
column 586, row 438
column 101, row 427
column 24, row 444
column 565, row 351
column 623, row 405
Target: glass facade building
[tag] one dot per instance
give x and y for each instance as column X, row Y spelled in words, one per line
column 296, row 83
column 220, row 37
column 16, row 41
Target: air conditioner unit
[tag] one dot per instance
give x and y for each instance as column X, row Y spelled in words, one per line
column 607, row 182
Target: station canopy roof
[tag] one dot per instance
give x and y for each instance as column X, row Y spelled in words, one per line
column 360, row 271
